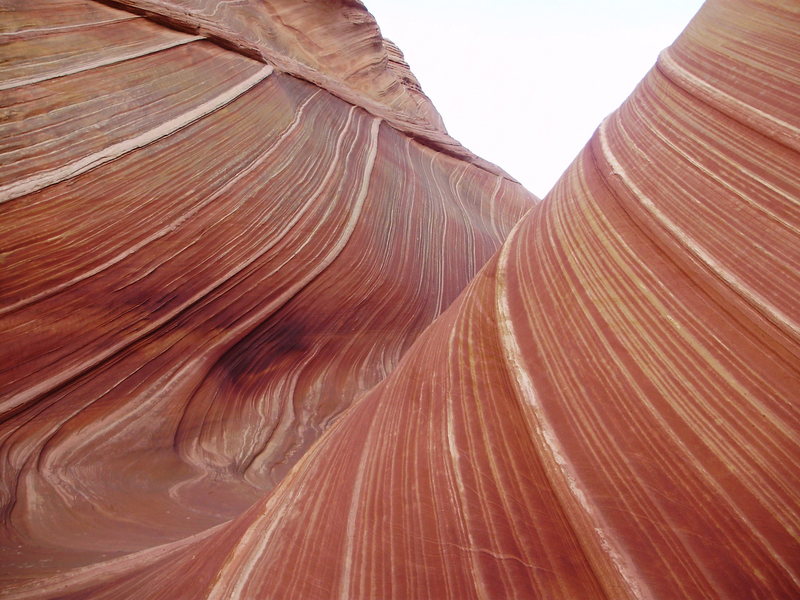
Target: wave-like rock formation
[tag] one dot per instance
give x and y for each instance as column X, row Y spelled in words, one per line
column 206, row 260
column 262, row 336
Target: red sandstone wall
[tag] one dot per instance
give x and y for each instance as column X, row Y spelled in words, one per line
column 229, row 369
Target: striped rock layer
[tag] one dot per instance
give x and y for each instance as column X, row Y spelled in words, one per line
column 236, row 362
column 205, row 261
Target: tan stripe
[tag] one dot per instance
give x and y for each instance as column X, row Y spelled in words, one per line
column 775, row 315
column 42, row 31
column 39, row 181
column 102, row 62
column 677, row 74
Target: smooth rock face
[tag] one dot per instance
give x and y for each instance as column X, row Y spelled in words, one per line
column 236, row 364
column 205, row 262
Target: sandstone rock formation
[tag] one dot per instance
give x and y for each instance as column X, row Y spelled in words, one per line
column 237, row 360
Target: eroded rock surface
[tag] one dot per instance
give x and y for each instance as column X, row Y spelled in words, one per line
column 246, row 354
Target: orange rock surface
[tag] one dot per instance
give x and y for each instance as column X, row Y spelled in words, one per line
column 261, row 335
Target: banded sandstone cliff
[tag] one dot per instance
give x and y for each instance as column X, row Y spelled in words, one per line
column 267, row 331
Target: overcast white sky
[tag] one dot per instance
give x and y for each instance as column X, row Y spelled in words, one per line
column 524, row 83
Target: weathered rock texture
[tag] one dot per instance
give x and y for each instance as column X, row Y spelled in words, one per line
column 223, row 375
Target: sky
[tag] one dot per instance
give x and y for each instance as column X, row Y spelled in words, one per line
column 524, row 83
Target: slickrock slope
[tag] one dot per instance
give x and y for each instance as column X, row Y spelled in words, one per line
column 204, row 261
column 608, row 410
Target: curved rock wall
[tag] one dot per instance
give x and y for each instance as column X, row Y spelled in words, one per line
column 608, row 410
column 205, row 261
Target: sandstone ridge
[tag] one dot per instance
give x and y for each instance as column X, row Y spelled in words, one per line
column 261, row 337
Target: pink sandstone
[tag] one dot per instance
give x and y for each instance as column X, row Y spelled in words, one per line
column 267, row 331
